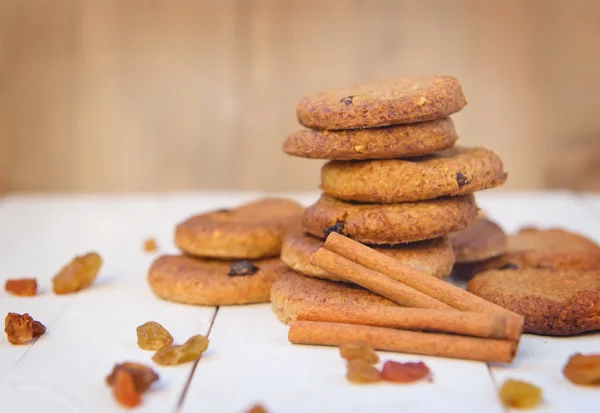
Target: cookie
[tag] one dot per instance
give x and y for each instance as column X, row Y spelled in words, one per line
column 401, row 141
column 374, row 104
column 435, row 257
column 389, row 223
column 453, row 171
column 198, row 281
column 481, row 240
column 557, row 303
column 293, row 290
column 254, row 230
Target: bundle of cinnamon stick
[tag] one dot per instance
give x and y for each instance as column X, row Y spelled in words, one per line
column 441, row 319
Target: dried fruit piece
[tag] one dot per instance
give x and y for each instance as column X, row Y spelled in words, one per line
column 337, row 227
column 152, row 336
column 360, row 372
column 244, row 267
column 20, row 329
column 150, row 245
column 462, row 179
column 520, row 394
column 359, row 351
column 509, row 266
column 404, row 372
column 583, row 369
column 25, row 287
column 347, row 100
column 38, row 328
column 143, row 376
column 257, row 409
column 124, row 389
column 78, row 274
column 189, row 351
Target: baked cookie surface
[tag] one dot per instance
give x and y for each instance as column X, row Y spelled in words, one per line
column 558, row 303
column 481, row 240
column 435, row 257
column 389, row 223
column 197, row 281
column 453, row 171
column 374, row 104
column 401, row 141
column 254, row 230
column 293, row 290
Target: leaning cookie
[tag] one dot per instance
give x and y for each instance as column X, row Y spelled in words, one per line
column 557, row 303
column 198, row 281
column 434, row 257
column 293, row 290
column 254, row 230
column 482, row 240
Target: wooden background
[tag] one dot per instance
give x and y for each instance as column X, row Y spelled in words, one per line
column 168, row 95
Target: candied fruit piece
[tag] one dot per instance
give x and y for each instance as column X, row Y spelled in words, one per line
column 583, row 369
column 150, row 245
column 143, row 376
column 78, row 274
column 520, row 394
column 404, row 372
column 360, row 350
column 124, row 389
column 38, row 328
column 244, row 267
column 25, row 287
column 152, row 336
column 191, row 350
column 18, row 328
column 257, row 409
column 360, row 372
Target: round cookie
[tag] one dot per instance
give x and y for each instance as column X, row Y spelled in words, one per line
column 383, row 103
column 401, row 141
column 293, row 290
column 481, row 240
column 389, row 223
column 453, row 171
column 553, row 302
column 254, row 230
column 435, row 257
column 197, row 281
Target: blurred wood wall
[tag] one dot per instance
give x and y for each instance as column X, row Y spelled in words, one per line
column 167, row 95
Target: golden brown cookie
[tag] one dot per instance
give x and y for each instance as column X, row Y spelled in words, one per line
column 553, row 302
column 401, row 141
column 481, row 240
column 293, row 290
column 435, row 257
column 454, row 171
column 390, row 223
column 199, row 281
column 374, row 104
column 254, row 230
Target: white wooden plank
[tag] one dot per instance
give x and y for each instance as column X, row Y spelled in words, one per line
column 252, row 361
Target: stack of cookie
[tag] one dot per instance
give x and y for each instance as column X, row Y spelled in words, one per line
column 394, row 179
column 230, row 256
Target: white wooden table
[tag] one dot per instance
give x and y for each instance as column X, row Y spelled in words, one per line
column 249, row 359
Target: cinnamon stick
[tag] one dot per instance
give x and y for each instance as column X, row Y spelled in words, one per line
column 374, row 281
column 388, row 339
column 434, row 287
column 488, row 325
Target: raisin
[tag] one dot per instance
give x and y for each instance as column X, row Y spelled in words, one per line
column 25, row 287
column 404, row 372
column 359, row 351
column 520, row 394
column 143, row 376
column 257, row 409
column 38, row 328
column 462, row 179
column 150, row 245
column 360, row 372
column 191, row 350
column 222, row 210
column 509, row 266
column 583, row 369
column 124, row 389
column 78, row 274
column 347, row 100
column 337, row 227
column 244, row 267
column 152, row 336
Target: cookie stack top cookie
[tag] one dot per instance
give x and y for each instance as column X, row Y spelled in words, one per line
column 394, row 173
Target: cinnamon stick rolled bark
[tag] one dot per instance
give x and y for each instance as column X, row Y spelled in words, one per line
column 488, row 325
column 389, row 339
column 374, row 281
column 433, row 287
